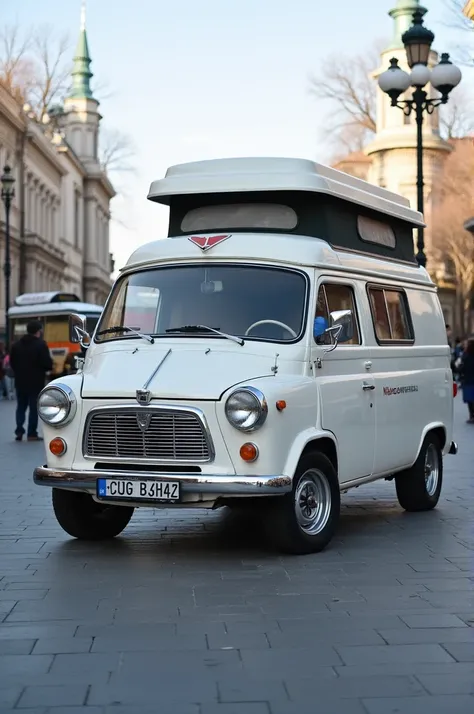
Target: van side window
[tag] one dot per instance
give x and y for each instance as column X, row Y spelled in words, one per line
column 390, row 315
column 333, row 297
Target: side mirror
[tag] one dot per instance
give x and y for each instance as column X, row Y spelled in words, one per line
column 78, row 334
column 342, row 325
column 341, row 329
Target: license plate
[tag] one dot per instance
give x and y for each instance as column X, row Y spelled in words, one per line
column 139, row 490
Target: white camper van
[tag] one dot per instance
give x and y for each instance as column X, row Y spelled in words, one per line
column 280, row 347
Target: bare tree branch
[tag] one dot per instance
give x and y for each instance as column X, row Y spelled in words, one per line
column 53, row 73
column 346, row 83
column 457, row 116
column 453, row 245
column 455, row 19
column 116, row 151
column 455, row 16
column 16, row 65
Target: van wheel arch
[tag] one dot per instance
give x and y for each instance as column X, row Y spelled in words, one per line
column 323, row 445
column 439, row 432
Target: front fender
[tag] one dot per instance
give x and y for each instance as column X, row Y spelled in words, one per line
column 299, row 444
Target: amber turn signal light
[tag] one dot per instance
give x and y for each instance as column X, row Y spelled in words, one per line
column 280, row 405
column 248, row 452
column 57, row 446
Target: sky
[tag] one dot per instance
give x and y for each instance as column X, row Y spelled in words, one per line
column 189, row 80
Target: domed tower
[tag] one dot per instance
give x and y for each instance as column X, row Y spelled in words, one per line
column 393, row 149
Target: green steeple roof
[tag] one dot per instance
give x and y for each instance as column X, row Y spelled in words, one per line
column 81, row 74
column 402, row 15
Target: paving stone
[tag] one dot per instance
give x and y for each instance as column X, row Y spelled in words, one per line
column 14, row 667
column 162, row 690
column 9, row 695
column 62, row 645
column 236, row 708
column 35, row 631
column 80, row 665
column 354, row 687
column 73, row 710
column 315, row 705
column 165, row 708
column 454, row 704
column 239, row 640
column 36, row 710
column 244, row 689
column 448, row 683
column 427, row 635
column 376, row 654
column 435, row 621
column 16, row 647
column 289, row 661
column 145, row 643
column 462, row 652
column 337, row 637
column 72, row 695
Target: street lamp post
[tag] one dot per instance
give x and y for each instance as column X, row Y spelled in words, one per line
column 443, row 78
column 8, row 192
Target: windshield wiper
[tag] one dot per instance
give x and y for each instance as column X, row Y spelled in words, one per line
column 205, row 328
column 124, row 328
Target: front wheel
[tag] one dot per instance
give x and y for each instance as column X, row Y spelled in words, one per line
column 82, row 517
column 304, row 521
column 419, row 487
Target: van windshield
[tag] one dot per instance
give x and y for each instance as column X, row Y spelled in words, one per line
column 252, row 302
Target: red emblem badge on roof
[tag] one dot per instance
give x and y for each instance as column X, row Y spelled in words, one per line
column 206, row 242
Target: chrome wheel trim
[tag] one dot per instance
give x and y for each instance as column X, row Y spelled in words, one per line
column 312, row 502
column 431, row 469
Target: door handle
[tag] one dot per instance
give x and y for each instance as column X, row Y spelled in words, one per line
column 368, row 387
column 368, row 364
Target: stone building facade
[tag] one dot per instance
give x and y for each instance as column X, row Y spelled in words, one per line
column 61, row 210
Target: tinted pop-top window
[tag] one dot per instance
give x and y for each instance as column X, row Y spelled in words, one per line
column 240, row 215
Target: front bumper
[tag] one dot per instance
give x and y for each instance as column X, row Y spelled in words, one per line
column 191, row 484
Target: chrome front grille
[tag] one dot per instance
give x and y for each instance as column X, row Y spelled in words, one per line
column 147, row 434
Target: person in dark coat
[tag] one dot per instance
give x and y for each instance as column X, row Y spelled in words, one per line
column 466, row 373
column 30, row 360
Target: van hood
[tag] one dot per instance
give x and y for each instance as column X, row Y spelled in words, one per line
column 193, row 374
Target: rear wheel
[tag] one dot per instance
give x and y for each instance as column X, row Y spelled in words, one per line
column 82, row 517
column 419, row 488
column 304, row 520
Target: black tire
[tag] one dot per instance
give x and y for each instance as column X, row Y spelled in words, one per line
column 416, row 489
column 285, row 516
column 82, row 517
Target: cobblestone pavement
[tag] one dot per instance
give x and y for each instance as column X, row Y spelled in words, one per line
column 191, row 613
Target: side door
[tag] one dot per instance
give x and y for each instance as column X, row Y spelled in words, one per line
column 399, row 370
column 346, row 386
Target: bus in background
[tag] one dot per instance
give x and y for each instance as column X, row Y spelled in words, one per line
column 52, row 309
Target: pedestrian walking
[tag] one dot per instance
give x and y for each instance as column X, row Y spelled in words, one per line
column 30, row 361
column 3, row 383
column 9, row 377
column 466, row 372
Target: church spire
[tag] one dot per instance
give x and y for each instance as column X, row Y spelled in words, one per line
column 402, row 15
column 81, row 74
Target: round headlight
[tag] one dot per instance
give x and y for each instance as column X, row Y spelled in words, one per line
column 246, row 409
column 56, row 405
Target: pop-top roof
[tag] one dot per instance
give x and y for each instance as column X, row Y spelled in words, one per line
column 219, row 176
